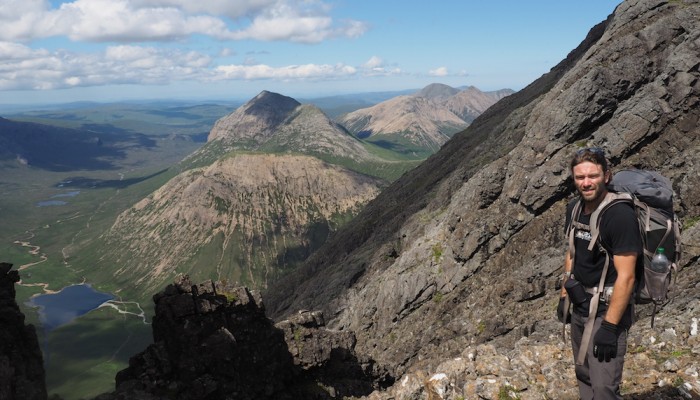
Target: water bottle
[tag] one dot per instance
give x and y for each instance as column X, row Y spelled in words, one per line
column 659, row 263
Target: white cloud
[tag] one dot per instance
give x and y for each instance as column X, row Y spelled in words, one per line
column 292, row 72
column 297, row 23
column 29, row 69
column 441, row 71
column 376, row 66
column 374, row 62
column 22, row 19
column 22, row 68
column 306, row 21
column 231, row 9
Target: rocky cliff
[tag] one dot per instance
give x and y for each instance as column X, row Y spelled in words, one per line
column 213, row 341
column 21, row 362
column 421, row 122
column 449, row 277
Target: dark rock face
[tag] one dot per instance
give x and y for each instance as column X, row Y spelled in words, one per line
column 21, row 362
column 461, row 257
column 213, row 341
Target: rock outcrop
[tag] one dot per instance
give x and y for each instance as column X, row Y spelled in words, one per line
column 213, row 341
column 21, row 363
column 449, row 277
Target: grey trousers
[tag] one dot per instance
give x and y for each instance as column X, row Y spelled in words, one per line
column 597, row 380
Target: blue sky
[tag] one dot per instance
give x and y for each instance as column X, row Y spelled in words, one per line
column 108, row 50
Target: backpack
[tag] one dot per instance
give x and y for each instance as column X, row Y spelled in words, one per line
column 651, row 194
column 653, row 200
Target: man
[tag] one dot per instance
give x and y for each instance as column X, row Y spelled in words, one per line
column 599, row 374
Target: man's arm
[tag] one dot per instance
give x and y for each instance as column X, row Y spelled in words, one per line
column 624, row 285
column 567, row 272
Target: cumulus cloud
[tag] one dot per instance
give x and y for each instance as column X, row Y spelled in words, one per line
column 306, row 21
column 23, row 68
column 130, row 22
column 441, row 71
column 376, row 66
column 374, row 62
column 309, row 23
column 292, row 72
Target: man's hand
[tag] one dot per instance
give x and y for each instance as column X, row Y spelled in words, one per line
column 605, row 342
column 561, row 310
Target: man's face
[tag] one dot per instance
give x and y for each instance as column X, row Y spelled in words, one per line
column 590, row 181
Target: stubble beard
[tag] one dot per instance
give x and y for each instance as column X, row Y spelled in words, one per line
column 593, row 198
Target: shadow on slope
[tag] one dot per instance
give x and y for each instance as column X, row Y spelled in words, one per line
column 81, row 182
column 62, row 149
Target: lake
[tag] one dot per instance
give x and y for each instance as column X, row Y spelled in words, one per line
column 60, row 308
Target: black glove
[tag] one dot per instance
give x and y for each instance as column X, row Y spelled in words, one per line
column 605, row 342
column 560, row 311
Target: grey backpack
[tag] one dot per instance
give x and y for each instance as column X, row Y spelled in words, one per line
column 652, row 196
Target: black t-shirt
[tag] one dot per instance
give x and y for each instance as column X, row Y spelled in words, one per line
column 619, row 233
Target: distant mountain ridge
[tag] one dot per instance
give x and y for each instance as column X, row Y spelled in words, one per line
column 422, row 122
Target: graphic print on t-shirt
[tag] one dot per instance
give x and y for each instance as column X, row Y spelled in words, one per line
column 585, row 235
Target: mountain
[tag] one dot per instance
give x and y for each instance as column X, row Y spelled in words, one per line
column 449, row 278
column 472, row 102
column 420, row 123
column 246, row 217
column 334, row 106
column 272, row 122
column 249, row 205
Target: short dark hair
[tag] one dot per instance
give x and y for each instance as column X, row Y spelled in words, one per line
column 595, row 155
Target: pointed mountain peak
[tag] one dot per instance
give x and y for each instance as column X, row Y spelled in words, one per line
column 437, row 90
column 257, row 118
column 266, row 97
column 271, row 122
column 270, row 103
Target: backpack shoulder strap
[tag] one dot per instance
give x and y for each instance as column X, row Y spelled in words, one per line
column 611, row 198
column 573, row 224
